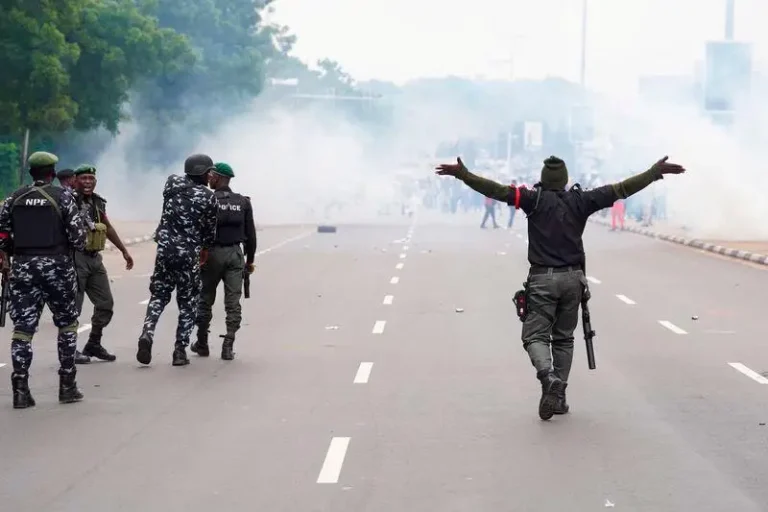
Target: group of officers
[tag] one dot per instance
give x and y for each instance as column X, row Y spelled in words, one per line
column 51, row 240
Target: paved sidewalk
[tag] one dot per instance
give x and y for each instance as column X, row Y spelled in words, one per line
column 754, row 251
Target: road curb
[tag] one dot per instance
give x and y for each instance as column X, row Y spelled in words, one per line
column 738, row 254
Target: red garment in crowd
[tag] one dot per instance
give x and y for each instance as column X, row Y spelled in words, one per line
column 617, row 213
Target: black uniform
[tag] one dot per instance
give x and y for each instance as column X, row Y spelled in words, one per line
column 226, row 262
column 556, row 280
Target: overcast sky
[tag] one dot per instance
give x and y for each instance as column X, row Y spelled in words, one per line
column 402, row 39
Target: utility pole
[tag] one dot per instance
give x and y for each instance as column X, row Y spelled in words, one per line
column 730, row 9
column 584, row 10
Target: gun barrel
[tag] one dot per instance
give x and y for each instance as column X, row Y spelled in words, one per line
column 590, row 354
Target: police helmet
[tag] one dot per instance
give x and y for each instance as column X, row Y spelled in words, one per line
column 198, row 165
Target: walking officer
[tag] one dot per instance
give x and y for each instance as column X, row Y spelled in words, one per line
column 91, row 273
column 226, row 262
column 556, row 280
column 39, row 227
column 186, row 231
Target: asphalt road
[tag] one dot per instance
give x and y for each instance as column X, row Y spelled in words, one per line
column 359, row 387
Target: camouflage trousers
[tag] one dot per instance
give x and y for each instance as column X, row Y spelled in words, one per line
column 34, row 282
column 184, row 277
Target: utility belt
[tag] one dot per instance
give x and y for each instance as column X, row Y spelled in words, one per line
column 96, row 239
column 521, row 296
column 537, row 270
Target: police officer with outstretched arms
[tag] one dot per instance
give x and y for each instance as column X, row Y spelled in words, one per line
column 40, row 226
column 556, row 279
column 226, row 262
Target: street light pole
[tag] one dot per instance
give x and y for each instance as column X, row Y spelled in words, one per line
column 584, row 9
column 730, row 9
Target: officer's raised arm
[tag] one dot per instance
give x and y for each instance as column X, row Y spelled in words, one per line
column 521, row 198
column 73, row 223
column 605, row 196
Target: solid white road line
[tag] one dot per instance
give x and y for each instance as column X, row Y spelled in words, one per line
column 388, row 300
column 749, row 373
column 86, row 327
column 363, row 373
column 334, row 459
column 402, row 256
column 394, row 280
column 672, row 327
column 144, row 302
column 593, row 280
column 378, row 327
column 400, row 266
column 626, row 300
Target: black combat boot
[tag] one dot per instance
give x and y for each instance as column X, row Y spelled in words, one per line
column 200, row 347
column 562, row 406
column 68, row 392
column 180, row 355
column 144, row 354
column 94, row 348
column 550, row 388
column 227, row 347
column 22, row 397
column 81, row 358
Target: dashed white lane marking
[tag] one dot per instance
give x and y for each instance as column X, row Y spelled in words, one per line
column 2, row 364
column 402, row 256
column 363, row 373
column 145, row 275
column 672, row 327
column 519, row 235
column 144, row 302
column 388, row 300
column 593, row 280
column 86, row 327
column 334, row 460
column 378, row 327
column 400, row 266
column 626, row 300
column 405, row 247
column 749, row 373
column 394, row 280
column 284, row 242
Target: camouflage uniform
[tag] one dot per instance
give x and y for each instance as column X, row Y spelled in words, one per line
column 187, row 228
column 42, row 273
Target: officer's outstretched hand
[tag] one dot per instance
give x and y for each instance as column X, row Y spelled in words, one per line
column 128, row 260
column 664, row 167
column 451, row 169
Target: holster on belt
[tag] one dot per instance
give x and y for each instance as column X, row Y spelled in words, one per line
column 521, row 302
column 96, row 239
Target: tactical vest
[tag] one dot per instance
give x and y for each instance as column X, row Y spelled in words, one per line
column 37, row 221
column 230, row 226
column 96, row 238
